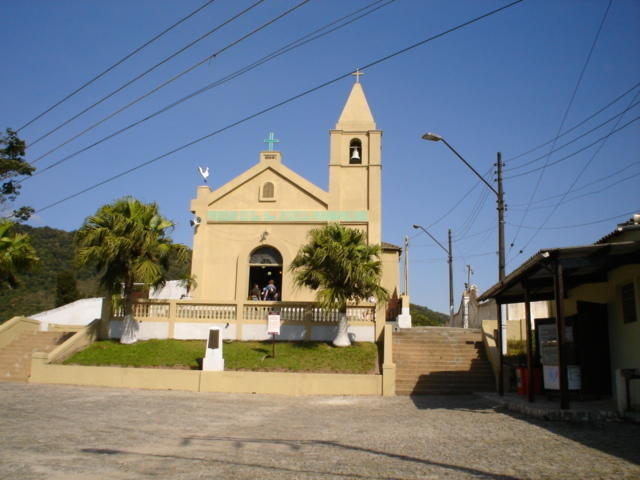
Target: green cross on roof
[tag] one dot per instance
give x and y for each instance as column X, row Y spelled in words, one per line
column 271, row 141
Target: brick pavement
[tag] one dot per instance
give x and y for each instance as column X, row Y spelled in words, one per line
column 63, row 432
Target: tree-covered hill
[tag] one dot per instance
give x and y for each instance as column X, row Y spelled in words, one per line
column 424, row 316
column 37, row 292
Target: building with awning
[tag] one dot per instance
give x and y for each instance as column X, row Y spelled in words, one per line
column 591, row 346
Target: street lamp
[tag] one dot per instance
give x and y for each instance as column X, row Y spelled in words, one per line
column 434, row 137
column 450, row 262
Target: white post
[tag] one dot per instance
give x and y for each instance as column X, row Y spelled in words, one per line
column 404, row 319
column 406, row 265
column 465, row 309
column 505, row 316
column 213, row 359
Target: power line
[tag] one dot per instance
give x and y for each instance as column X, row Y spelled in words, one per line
column 448, row 212
column 126, row 57
column 588, row 194
column 598, row 180
column 474, row 213
column 475, row 234
column 555, row 162
column 565, row 227
column 564, row 117
column 580, row 173
column 444, row 259
column 277, row 105
column 617, row 116
column 314, row 35
column 149, row 70
column 579, row 124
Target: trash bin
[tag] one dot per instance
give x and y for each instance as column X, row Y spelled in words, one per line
column 522, row 380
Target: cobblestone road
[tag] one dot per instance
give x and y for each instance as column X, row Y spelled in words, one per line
column 63, row 432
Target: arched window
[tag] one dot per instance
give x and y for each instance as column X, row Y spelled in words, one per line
column 355, row 152
column 265, row 256
column 267, row 192
column 265, row 268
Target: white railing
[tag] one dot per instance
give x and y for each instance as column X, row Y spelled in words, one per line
column 301, row 312
column 144, row 309
column 244, row 320
column 206, row 311
column 229, row 312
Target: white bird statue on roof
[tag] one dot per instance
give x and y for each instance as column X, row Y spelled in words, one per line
column 204, row 172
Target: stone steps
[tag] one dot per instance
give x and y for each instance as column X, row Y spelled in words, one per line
column 15, row 358
column 441, row 360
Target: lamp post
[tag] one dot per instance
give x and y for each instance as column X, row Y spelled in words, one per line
column 450, row 262
column 434, row 137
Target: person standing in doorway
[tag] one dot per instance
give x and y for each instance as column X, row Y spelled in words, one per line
column 254, row 293
column 270, row 292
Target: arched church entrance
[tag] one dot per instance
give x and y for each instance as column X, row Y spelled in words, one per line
column 265, row 263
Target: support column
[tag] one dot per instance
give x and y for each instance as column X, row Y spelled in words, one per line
column 388, row 367
column 530, row 376
column 173, row 315
column 500, row 352
column 558, row 287
column 239, row 320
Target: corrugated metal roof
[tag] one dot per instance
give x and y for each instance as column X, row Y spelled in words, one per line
column 632, row 224
column 581, row 265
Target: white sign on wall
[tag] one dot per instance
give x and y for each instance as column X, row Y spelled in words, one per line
column 551, row 376
column 273, row 324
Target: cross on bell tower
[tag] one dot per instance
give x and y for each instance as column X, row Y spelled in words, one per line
column 357, row 74
column 271, row 140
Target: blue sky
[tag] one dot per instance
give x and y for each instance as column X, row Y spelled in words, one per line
column 501, row 84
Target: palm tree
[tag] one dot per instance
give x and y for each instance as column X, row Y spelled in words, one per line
column 127, row 243
column 16, row 254
column 338, row 263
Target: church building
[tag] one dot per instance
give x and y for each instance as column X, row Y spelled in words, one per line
column 249, row 230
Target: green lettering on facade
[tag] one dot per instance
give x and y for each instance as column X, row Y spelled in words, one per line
column 261, row 216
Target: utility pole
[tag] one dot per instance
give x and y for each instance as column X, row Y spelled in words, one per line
column 450, row 261
column 406, row 265
column 501, row 208
column 434, row 137
column 501, row 266
column 469, row 273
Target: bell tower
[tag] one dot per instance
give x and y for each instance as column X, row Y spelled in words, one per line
column 355, row 162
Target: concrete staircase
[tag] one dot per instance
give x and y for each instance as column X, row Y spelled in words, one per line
column 441, row 360
column 15, row 358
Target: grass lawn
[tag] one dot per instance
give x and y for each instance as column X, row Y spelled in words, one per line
column 148, row 353
column 290, row 356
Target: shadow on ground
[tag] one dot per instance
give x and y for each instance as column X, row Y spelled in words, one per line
column 239, row 443
column 620, row 439
column 462, row 402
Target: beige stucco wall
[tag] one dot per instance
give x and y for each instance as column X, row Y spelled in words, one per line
column 235, row 219
column 357, row 187
column 287, row 195
column 624, row 338
column 199, row 381
column 390, row 270
column 221, row 265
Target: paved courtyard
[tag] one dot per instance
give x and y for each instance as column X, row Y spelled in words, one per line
column 63, row 432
